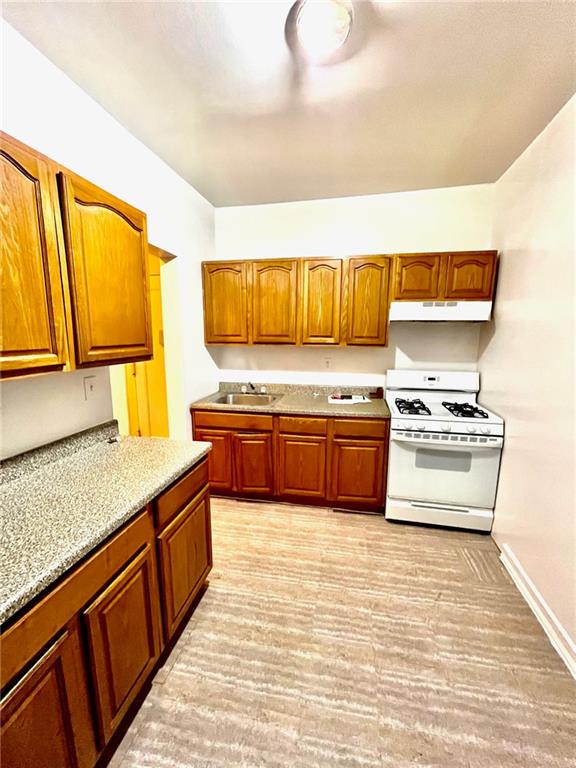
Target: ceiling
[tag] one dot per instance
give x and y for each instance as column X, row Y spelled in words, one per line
column 429, row 94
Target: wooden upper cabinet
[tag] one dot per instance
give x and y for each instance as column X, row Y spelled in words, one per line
column 123, row 629
column 417, row 276
column 367, row 306
column 107, row 253
column 274, row 299
column 32, row 326
column 226, row 302
column 46, row 720
column 470, row 275
column 320, row 300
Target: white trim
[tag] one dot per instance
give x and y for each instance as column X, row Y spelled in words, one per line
column 561, row 641
column 419, row 311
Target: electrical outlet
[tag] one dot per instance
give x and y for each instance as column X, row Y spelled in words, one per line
column 90, row 387
column 327, row 362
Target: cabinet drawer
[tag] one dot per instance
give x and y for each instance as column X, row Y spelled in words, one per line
column 178, row 495
column 301, row 426
column 221, row 420
column 360, row 428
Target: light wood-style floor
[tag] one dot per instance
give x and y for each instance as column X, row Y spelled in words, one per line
column 338, row 640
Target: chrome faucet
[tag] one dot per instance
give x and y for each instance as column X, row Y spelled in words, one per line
column 252, row 387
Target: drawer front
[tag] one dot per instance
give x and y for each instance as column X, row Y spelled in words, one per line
column 175, row 498
column 360, row 428
column 301, row 426
column 221, row 420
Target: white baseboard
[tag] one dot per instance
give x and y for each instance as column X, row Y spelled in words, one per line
column 560, row 639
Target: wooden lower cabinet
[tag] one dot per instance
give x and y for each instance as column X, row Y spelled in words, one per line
column 77, row 659
column 220, row 471
column 46, row 721
column 185, row 559
column 357, row 471
column 123, row 627
column 302, row 466
column 253, row 473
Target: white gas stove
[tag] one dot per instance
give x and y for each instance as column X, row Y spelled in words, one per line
column 445, row 450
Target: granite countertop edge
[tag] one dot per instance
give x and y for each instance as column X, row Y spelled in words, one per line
column 307, row 405
column 45, row 578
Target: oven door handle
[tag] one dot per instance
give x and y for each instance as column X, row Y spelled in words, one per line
column 448, row 445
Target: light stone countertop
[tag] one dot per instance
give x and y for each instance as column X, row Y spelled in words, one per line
column 303, row 403
column 52, row 517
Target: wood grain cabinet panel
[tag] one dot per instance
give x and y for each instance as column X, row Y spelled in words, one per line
column 367, row 305
column 417, row 276
column 357, row 471
column 253, row 463
column 32, row 323
column 219, row 458
column 185, row 557
column 46, row 721
column 123, row 627
column 320, row 300
column 301, row 466
column 470, row 275
column 274, row 299
column 107, row 254
column 226, row 302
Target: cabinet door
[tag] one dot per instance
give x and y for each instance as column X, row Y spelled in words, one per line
column 226, row 303
column 417, row 276
column 367, row 306
column 46, row 722
column 274, row 295
column 32, row 324
column 320, row 301
column 185, row 555
column 470, row 275
column 357, row 471
column 123, row 627
column 219, row 458
column 253, row 463
column 107, row 252
column 301, row 466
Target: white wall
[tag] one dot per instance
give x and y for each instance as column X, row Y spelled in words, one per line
column 42, row 107
column 527, row 363
column 459, row 218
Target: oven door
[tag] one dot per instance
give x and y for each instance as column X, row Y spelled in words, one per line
column 454, row 471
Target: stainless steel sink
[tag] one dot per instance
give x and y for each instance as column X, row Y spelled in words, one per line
column 237, row 398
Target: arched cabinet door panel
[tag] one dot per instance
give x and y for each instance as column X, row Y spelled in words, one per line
column 226, row 301
column 274, row 297
column 470, row 275
column 33, row 329
column 107, row 254
column 417, row 277
column 320, row 301
column 367, row 315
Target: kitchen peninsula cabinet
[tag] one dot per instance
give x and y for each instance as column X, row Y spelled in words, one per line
column 76, row 659
column 274, row 301
column 74, row 264
column 33, row 323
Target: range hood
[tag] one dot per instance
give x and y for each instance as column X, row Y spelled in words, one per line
column 469, row 311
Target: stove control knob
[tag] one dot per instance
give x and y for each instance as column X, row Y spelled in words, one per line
column 486, row 430
column 407, row 426
column 471, row 428
column 420, row 427
column 446, row 427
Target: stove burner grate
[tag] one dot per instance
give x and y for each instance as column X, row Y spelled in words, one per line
column 412, row 407
column 465, row 410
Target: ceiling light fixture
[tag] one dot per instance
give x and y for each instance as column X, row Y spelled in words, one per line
column 322, row 27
